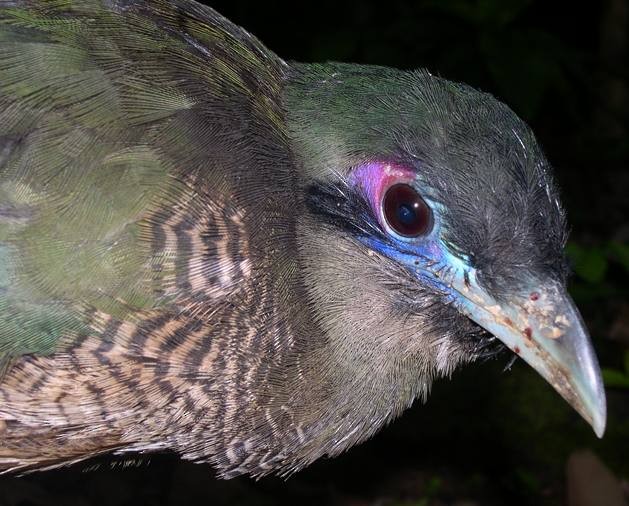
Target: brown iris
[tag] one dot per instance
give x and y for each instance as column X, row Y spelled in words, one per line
column 405, row 211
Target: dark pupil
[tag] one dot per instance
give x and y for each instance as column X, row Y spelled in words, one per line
column 406, row 214
column 405, row 211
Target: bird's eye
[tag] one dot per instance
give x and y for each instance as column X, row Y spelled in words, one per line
column 405, row 211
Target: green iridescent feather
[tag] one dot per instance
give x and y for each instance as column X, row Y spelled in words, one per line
column 97, row 132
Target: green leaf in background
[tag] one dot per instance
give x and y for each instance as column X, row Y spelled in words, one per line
column 590, row 263
column 615, row 379
column 620, row 252
column 434, row 486
column 528, row 480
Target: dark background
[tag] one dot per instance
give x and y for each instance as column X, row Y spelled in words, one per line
column 488, row 437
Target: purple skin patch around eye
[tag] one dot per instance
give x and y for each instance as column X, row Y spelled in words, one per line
column 374, row 178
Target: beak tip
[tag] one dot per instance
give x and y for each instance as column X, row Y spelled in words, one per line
column 599, row 420
column 599, row 429
column 594, row 391
column 548, row 333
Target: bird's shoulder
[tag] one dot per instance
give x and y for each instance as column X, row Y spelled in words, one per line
column 125, row 130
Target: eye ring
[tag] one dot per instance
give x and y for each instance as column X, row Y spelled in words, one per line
column 405, row 212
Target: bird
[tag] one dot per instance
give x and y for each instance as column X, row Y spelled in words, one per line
column 250, row 262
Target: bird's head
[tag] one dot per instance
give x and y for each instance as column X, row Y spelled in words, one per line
column 433, row 231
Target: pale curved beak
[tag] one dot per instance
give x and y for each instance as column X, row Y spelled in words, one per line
column 543, row 326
